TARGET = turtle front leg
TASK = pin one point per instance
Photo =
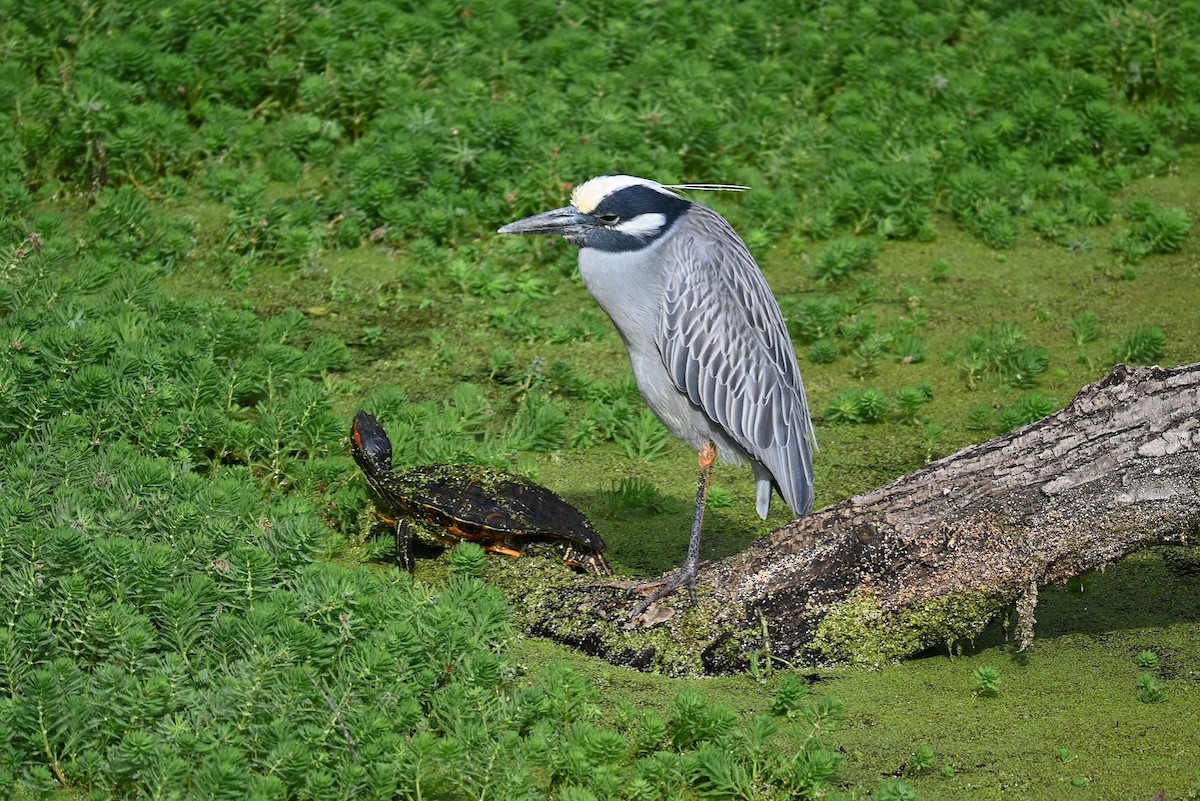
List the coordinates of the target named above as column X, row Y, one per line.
column 404, row 546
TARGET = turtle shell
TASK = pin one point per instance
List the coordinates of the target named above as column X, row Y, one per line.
column 477, row 502
column 468, row 501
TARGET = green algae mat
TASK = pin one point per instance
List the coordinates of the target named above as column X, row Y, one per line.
column 226, row 227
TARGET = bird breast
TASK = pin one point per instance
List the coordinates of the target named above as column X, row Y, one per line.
column 629, row 286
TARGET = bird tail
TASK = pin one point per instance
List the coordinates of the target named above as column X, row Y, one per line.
column 797, row 494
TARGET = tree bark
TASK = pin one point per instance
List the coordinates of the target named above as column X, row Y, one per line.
column 933, row 556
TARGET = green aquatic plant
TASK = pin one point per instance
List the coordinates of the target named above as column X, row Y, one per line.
column 566, row 378
column 517, row 321
column 168, row 96
column 719, row 497
column 178, row 379
column 896, row 790
column 858, row 326
column 485, row 283
column 791, row 696
column 1085, row 327
column 1150, row 689
column 633, row 493
column 583, row 328
column 467, row 559
column 604, row 419
column 814, row 319
column 982, row 418
column 939, row 271
column 920, row 761
column 824, row 351
column 858, row 406
column 843, row 407
column 844, row 257
column 643, row 436
column 127, row 221
column 995, row 224
column 868, row 354
column 1165, row 230
column 975, row 197
column 1028, row 408
column 539, row 424
column 871, row 405
column 1051, row 223
column 1084, row 203
column 908, row 349
column 1153, row 229
column 931, row 435
column 501, row 366
column 1143, row 345
column 910, row 400
column 987, row 681
column 738, row 762
column 1001, row 352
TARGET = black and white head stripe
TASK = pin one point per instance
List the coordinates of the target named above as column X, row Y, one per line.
column 628, row 212
column 588, row 195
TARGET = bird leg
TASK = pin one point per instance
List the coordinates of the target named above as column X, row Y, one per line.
column 687, row 574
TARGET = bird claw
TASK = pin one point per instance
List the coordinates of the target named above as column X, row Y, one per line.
column 665, row 586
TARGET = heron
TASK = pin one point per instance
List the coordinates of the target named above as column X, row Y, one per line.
column 707, row 342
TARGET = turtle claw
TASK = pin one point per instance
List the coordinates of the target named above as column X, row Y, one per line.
column 587, row 561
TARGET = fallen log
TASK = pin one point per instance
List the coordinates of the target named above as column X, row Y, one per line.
column 930, row 558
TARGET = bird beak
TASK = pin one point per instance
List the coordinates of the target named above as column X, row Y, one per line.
column 566, row 222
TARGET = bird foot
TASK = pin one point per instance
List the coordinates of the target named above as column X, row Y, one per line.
column 663, row 587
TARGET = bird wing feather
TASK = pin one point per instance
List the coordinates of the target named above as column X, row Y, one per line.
column 725, row 344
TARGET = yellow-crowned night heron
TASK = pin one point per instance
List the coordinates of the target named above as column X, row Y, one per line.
column 708, row 344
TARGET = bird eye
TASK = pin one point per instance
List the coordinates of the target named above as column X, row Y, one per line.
column 609, row 219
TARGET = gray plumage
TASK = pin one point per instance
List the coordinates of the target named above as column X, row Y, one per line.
column 710, row 349
column 708, row 345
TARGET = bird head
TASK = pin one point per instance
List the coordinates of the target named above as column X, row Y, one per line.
column 613, row 213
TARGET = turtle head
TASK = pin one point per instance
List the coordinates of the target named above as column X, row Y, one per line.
column 370, row 445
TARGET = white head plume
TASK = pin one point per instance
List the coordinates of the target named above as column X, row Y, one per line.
column 588, row 194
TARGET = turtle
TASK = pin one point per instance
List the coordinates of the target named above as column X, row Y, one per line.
column 497, row 509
